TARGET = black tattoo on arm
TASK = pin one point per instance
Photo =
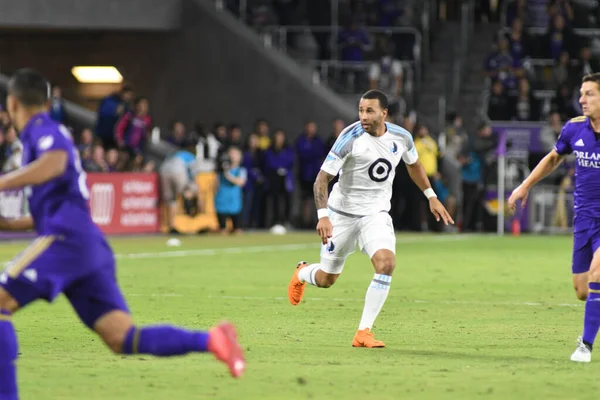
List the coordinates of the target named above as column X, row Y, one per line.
column 321, row 189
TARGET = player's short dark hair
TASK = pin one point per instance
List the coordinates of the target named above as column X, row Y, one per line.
column 377, row 95
column 595, row 77
column 29, row 87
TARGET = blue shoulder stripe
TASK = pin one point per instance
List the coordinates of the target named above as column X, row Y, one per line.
column 346, row 137
column 399, row 131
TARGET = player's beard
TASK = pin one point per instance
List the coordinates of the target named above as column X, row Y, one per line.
column 371, row 128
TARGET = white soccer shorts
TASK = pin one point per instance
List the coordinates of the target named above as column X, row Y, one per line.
column 371, row 233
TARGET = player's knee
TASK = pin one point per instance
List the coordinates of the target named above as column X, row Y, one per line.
column 328, row 280
column 114, row 342
column 7, row 302
column 581, row 293
column 595, row 273
column 113, row 329
column 384, row 262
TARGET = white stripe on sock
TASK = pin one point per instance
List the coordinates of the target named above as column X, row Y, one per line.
column 307, row 274
column 375, row 299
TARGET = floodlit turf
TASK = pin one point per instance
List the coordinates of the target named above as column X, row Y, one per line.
column 467, row 317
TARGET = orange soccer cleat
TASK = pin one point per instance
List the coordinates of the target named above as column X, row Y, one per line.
column 296, row 288
column 364, row 338
column 224, row 345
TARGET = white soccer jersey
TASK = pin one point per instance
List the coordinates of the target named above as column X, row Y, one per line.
column 367, row 166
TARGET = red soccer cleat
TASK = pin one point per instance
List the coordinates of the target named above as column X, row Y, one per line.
column 224, row 345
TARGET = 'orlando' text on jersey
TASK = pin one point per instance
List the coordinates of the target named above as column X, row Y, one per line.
column 578, row 137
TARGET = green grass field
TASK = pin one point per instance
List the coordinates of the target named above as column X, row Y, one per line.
column 467, row 317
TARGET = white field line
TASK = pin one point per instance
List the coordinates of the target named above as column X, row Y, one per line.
column 466, row 302
column 269, row 248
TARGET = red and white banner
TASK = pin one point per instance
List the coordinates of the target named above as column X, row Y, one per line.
column 124, row 202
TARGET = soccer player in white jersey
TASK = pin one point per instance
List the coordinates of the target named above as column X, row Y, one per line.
column 365, row 155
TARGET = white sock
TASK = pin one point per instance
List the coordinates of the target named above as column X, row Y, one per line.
column 376, row 295
column 307, row 274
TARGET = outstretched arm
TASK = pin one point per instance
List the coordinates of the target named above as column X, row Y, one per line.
column 419, row 176
column 542, row 170
column 324, row 227
column 321, row 189
column 50, row 165
column 21, row 224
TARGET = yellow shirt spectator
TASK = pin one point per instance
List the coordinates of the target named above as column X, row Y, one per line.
column 427, row 149
column 264, row 142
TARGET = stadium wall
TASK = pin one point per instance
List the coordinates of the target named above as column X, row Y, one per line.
column 159, row 15
column 212, row 69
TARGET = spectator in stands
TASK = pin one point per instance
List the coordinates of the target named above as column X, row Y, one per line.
column 562, row 103
column 235, row 136
column 587, row 65
column 86, row 141
column 176, row 177
column 4, row 118
column 471, row 186
column 279, row 163
column 254, row 191
column 561, row 8
column 57, row 106
column 524, row 106
column 97, row 163
column 550, row 132
column 561, row 72
column 14, row 150
column 178, row 135
column 229, row 197
column 338, row 127
column 310, row 150
column 220, row 132
column 499, row 60
column 110, row 110
column 385, row 73
column 133, row 130
column 207, row 150
column 112, row 161
column 389, row 12
column 262, row 129
column 428, row 152
column 451, row 142
column 139, row 164
column 354, row 42
column 519, row 40
column 498, row 104
column 558, row 39
column 484, row 145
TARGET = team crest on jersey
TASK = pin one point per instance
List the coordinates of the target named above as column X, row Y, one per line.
column 45, row 142
column 330, row 247
column 394, row 148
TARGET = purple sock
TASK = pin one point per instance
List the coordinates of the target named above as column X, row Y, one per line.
column 8, row 356
column 591, row 319
column 164, row 340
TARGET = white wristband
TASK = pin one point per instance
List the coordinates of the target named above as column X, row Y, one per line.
column 429, row 193
column 322, row 213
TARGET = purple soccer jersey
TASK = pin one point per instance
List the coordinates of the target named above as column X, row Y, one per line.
column 70, row 254
column 578, row 137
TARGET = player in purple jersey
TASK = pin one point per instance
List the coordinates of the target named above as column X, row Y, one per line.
column 70, row 255
column 580, row 136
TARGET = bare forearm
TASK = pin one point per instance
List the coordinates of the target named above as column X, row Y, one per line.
column 321, row 189
column 50, row 165
column 418, row 175
column 21, row 224
column 543, row 169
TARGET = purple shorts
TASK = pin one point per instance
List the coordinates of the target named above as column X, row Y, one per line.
column 84, row 272
column 586, row 240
